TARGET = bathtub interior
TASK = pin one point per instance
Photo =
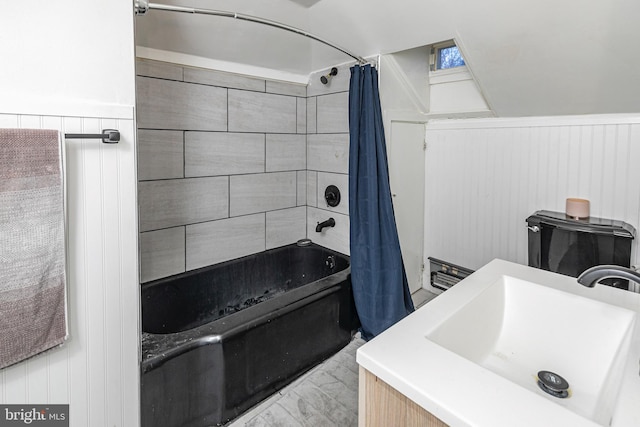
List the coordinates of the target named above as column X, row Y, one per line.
column 192, row 299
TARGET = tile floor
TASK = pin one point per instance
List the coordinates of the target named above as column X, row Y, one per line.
column 327, row 395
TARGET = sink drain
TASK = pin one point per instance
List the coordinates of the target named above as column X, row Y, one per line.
column 553, row 384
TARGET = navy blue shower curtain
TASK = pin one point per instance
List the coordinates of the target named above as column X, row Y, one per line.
column 379, row 281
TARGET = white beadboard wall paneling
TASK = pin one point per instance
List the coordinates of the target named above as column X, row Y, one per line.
column 484, row 177
column 96, row 370
column 79, row 248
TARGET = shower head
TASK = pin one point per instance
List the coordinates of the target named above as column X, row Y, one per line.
column 325, row 79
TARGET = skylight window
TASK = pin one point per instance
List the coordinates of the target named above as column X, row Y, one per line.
column 446, row 55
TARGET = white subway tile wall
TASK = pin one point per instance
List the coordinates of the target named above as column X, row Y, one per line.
column 228, row 165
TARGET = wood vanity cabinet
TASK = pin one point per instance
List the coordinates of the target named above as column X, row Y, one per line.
column 380, row 405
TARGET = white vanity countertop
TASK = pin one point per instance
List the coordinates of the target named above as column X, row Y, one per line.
column 462, row 393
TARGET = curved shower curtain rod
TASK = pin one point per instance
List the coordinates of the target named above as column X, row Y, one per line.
column 142, row 6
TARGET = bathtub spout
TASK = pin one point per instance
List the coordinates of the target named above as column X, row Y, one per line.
column 328, row 223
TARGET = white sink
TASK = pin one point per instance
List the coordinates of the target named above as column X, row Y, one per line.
column 471, row 356
column 516, row 328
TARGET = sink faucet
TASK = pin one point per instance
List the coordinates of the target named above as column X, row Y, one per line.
column 593, row 275
column 328, row 223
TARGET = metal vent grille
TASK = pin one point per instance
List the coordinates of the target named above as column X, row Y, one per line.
column 444, row 274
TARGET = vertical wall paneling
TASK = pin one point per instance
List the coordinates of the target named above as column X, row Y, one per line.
column 96, row 370
column 406, row 153
column 484, row 177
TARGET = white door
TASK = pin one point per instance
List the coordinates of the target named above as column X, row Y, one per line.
column 406, row 176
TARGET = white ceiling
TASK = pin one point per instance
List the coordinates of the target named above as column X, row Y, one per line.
column 305, row 3
column 529, row 58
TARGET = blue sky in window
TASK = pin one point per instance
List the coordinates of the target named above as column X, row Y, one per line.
column 449, row 57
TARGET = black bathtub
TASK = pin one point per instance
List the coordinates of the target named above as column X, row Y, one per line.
column 219, row 339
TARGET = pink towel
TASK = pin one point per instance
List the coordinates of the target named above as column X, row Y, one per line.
column 32, row 249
